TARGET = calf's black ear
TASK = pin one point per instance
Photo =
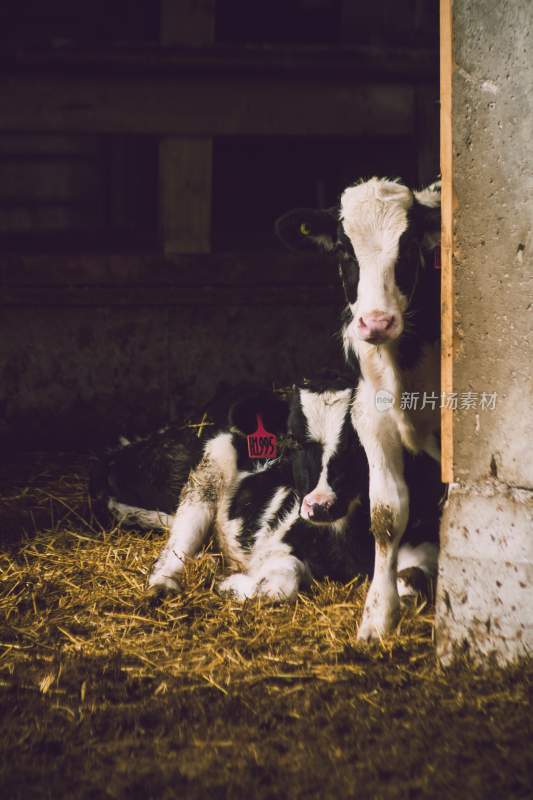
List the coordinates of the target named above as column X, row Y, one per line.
column 429, row 217
column 273, row 410
column 306, row 228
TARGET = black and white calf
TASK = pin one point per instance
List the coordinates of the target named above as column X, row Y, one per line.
column 282, row 521
column 384, row 237
column 262, row 513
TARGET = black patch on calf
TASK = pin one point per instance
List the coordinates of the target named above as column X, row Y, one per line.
column 286, row 506
column 348, row 469
column 426, row 219
column 306, row 465
column 272, row 408
column 252, row 497
column 328, row 554
column 324, row 381
column 307, row 228
column 349, row 274
column 240, row 445
column 417, row 580
column 408, row 264
column 348, row 265
column 420, row 283
column 422, row 325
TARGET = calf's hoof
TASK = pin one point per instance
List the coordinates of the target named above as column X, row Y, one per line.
column 378, row 622
column 160, row 587
column 239, row 586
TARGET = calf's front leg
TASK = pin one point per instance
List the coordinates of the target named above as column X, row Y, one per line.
column 382, row 606
column 187, row 535
column 195, row 514
column 389, row 509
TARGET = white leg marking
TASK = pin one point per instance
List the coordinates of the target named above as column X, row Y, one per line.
column 277, row 579
column 240, row 585
column 383, row 447
column 143, row 517
column 280, row 578
column 188, row 533
column 382, row 606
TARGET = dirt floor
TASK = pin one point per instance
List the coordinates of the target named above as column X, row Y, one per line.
column 104, row 695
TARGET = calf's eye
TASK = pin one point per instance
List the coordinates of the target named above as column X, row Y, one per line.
column 305, row 230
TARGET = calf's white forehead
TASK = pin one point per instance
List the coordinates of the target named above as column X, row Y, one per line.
column 325, row 413
column 374, row 214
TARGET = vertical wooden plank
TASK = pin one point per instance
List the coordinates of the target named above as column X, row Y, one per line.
column 185, row 165
column 446, row 158
column 185, row 195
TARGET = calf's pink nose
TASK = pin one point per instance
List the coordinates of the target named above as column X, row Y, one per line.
column 376, row 322
column 316, row 501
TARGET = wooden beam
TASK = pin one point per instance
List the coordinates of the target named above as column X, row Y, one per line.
column 185, row 175
column 116, row 269
column 185, row 165
column 446, row 157
column 348, row 63
column 165, row 296
column 204, row 105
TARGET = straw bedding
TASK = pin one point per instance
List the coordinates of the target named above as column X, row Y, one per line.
column 106, row 695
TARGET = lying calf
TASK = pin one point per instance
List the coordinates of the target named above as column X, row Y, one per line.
column 279, row 522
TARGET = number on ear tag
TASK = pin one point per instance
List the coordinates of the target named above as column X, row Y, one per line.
column 262, row 444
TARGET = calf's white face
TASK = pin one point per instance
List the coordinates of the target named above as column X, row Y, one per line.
column 325, row 415
column 329, row 468
column 374, row 216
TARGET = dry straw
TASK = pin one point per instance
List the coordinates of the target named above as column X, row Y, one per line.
column 72, row 589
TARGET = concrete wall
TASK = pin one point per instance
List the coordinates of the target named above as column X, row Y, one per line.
column 485, row 595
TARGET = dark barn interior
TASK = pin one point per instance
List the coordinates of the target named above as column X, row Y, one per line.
column 145, row 151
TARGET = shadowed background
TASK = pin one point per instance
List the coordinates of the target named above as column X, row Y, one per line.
column 145, row 152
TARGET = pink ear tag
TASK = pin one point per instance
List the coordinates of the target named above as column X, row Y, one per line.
column 436, row 257
column 262, row 444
